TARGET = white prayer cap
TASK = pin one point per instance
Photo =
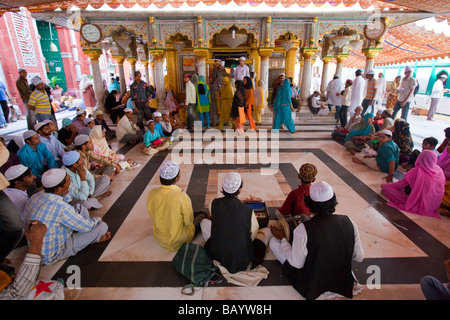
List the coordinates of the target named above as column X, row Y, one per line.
column 81, row 139
column 408, row 68
column 87, row 120
column 222, row 63
column 169, row 170
column 165, row 112
column 36, row 80
column 321, row 191
column 242, row 58
column 80, row 112
column 127, row 110
column 386, row 132
column 51, row 178
column 39, row 125
column 157, row 114
column 370, row 72
column 231, row 182
column 98, row 112
column 28, row 134
column 15, row 171
column 22, row 69
column 70, row 158
column 443, row 76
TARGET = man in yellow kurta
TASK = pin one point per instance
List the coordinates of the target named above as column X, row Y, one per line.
column 171, row 210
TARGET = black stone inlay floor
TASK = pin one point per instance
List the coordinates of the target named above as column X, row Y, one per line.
column 162, row 274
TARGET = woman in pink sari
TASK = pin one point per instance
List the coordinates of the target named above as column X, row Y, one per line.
column 421, row 189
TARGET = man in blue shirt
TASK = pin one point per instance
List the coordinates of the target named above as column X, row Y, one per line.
column 35, row 154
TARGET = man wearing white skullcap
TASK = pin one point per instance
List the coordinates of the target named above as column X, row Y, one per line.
column 84, row 146
column 56, row 148
column 89, row 123
column 35, row 154
column 246, row 245
column 20, row 180
column 84, row 188
column 100, row 120
column 171, row 210
column 242, row 70
column 319, row 259
column 127, row 131
column 78, row 121
column 69, row 228
column 405, row 94
column 39, row 101
column 386, row 158
column 437, row 93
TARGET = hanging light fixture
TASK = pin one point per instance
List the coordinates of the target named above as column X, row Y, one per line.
column 53, row 47
column 179, row 45
column 340, row 39
column 233, row 39
column 357, row 43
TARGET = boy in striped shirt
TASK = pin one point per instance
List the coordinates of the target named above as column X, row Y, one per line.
column 39, row 101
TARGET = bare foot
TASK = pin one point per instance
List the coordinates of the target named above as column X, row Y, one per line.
column 106, row 194
column 105, row 237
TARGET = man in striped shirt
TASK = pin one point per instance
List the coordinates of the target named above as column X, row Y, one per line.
column 39, row 101
column 69, row 229
column 371, row 92
column 25, row 279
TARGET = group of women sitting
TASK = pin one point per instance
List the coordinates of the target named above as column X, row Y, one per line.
column 425, row 187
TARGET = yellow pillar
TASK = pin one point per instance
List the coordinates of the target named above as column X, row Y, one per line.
column 340, row 59
column 370, row 54
column 291, row 57
column 172, row 67
column 202, row 55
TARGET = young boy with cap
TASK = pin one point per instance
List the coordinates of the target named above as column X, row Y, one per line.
column 295, row 201
column 69, row 229
column 242, row 70
column 171, row 210
column 39, row 101
column 84, row 188
column 67, row 133
column 35, row 154
column 320, row 257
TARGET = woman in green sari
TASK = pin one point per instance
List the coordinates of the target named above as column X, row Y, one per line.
column 359, row 135
column 203, row 100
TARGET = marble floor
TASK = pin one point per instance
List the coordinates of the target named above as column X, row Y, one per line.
column 131, row 266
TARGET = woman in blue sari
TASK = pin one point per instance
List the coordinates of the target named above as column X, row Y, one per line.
column 359, row 135
column 282, row 108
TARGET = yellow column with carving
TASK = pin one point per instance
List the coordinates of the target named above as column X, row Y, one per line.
column 172, row 67
column 291, row 57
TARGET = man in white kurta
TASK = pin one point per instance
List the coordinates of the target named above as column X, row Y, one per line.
column 242, row 70
column 358, row 91
column 333, row 91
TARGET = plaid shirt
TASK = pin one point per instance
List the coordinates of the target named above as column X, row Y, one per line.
column 61, row 220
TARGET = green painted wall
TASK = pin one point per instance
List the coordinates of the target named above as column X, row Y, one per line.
column 53, row 60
